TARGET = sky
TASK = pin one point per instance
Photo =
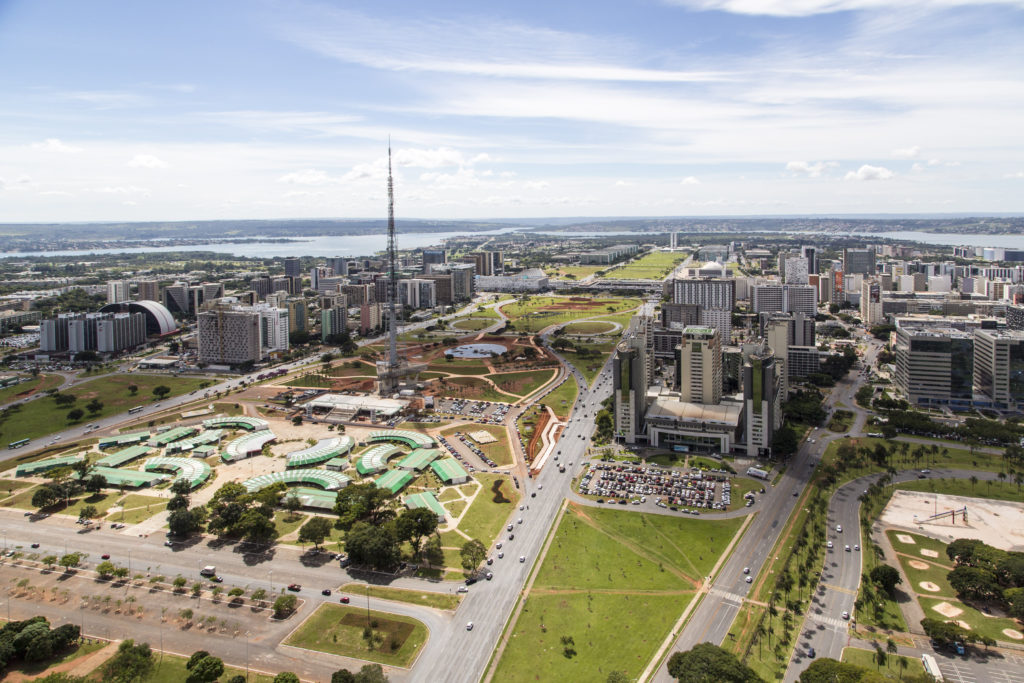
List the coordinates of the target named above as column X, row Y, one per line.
column 238, row 109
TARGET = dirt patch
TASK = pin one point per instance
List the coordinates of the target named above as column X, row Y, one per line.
column 947, row 610
column 929, row 586
column 918, row 564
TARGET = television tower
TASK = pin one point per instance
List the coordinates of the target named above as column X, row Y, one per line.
column 389, row 379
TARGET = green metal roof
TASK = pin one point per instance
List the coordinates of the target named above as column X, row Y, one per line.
column 448, row 469
column 393, row 480
column 122, row 457
column 424, row 500
column 419, row 458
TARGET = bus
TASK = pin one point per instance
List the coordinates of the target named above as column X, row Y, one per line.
column 931, row 666
column 136, row 409
column 18, row 444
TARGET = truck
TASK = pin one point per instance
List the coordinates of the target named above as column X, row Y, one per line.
column 757, row 472
column 208, row 570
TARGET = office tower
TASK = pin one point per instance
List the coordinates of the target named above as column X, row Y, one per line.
column 333, row 322
column 795, row 270
column 117, row 291
column 935, row 365
column 811, row 254
column 230, row 336
column 292, row 267
column 149, row 290
column 298, row 315
column 463, row 282
column 339, row 264
column 762, row 399
column 629, row 383
column 699, row 366
column 859, row 261
column 871, row 303
column 433, row 257
column 999, row 367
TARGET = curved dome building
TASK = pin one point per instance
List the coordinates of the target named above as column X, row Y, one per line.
column 159, row 320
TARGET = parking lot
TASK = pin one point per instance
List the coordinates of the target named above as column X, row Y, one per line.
column 484, row 412
column 690, row 491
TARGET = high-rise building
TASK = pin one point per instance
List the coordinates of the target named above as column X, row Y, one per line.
column 699, row 366
column 118, row 291
column 149, row 290
column 292, row 267
column 999, row 367
column 871, row 303
column 230, row 336
column 333, row 321
column 935, row 365
column 859, row 261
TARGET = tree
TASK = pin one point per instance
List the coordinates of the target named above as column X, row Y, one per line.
column 131, row 662
column 315, row 531
column 161, row 391
column 473, row 552
column 204, row 670
column 75, row 414
column 413, row 525
column 886, row 578
column 284, row 605
column 707, row 663
column 286, row 677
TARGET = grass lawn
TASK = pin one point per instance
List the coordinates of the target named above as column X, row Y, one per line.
column 40, row 383
column 473, row 388
column 486, row 516
column 610, row 632
column 445, row 601
column 979, row 623
column 651, row 266
column 590, row 327
column 523, row 383
column 338, row 629
column 892, row 668
column 287, row 523
column 171, row 669
column 43, row 416
column 561, row 400
column 592, row 360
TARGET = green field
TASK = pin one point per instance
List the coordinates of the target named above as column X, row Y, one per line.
column 537, row 313
column 43, row 416
column 892, row 668
column 523, row 383
column 444, row 601
column 618, row 605
column 41, row 383
column 562, row 399
column 652, row 266
column 592, row 360
column 339, row 630
column 485, row 516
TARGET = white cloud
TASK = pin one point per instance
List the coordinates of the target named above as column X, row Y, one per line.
column 55, row 145
column 804, row 8
column 689, row 180
column 309, row 176
column 810, row 169
column 906, row 152
column 868, row 172
column 147, row 161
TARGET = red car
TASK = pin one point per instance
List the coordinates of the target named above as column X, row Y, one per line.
column 344, row 599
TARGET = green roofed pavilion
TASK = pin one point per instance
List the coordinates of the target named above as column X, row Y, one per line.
column 425, row 500
column 449, row 471
column 393, row 480
column 39, row 466
column 419, row 459
column 123, row 457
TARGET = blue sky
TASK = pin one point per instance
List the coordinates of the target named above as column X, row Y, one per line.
column 273, row 109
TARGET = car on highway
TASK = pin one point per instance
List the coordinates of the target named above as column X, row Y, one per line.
column 294, row 587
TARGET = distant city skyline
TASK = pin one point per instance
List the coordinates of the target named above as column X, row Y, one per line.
column 264, row 109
